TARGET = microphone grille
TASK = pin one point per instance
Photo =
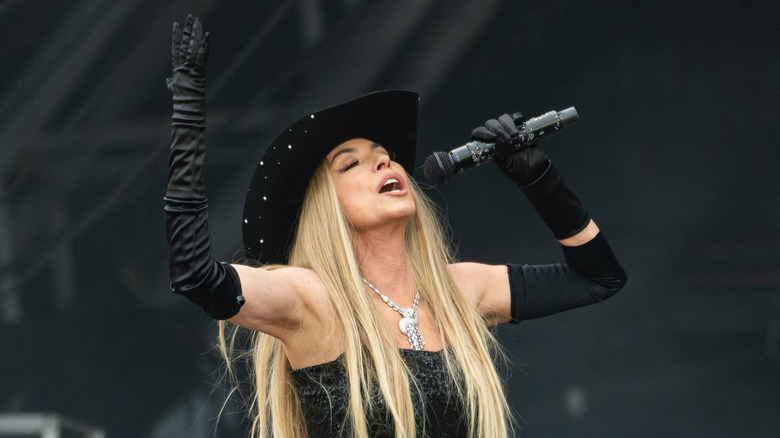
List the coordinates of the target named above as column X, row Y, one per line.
column 438, row 168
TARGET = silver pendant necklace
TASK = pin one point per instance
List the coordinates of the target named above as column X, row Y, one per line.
column 407, row 324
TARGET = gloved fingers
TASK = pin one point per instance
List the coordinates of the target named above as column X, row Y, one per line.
column 186, row 36
column 188, row 54
column 176, row 45
column 196, row 42
column 495, row 127
column 508, row 125
column 503, row 130
column 203, row 53
column 519, row 118
column 483, row 134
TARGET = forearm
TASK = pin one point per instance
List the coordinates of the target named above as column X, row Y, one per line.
column 194, row 273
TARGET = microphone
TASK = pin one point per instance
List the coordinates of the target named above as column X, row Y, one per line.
column 440, row 167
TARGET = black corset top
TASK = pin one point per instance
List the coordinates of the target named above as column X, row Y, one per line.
column 323, row 391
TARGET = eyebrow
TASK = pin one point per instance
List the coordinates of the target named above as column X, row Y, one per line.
column 350, row 150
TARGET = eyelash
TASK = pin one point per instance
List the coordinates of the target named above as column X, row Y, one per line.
column 350, row 165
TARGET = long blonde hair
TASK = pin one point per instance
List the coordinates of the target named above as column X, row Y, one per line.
column 323, row 244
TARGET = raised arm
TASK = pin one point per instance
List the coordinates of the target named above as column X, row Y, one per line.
column 211, row 285
column 221, row 289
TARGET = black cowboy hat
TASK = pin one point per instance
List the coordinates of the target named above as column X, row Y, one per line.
column 275, row 195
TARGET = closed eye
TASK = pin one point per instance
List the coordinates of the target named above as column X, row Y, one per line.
column 351, row 164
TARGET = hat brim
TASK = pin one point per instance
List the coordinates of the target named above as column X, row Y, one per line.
column 275, row 195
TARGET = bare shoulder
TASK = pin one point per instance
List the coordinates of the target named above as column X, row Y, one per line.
column 486, row 287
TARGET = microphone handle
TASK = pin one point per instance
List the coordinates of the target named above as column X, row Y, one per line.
column 440, row 167
column 471, row 154
column 546, row 125
column 475, row 153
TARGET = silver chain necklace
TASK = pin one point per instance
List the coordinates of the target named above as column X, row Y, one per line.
column 407, row 324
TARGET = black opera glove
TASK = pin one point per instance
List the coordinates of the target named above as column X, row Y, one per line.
column 536, row 176
column 194, row 273
column 189, row 52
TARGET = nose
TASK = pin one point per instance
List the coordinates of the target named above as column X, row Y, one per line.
column 382, row 160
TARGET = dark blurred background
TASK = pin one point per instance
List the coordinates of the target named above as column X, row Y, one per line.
column 675, row 156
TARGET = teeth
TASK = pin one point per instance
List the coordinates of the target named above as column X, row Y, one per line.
column 391, row 185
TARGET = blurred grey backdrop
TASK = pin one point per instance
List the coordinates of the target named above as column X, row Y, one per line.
column 675, row 157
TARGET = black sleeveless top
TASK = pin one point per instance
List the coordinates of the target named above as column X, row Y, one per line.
column 591, row 274
column 323, row 391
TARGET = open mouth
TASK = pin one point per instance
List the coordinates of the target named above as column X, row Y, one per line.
column 391, row 185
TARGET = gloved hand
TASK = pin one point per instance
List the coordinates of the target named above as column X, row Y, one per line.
column 189, row 52
column 524, row 166
column 535, row 174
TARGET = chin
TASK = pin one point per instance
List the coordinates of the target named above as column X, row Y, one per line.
column 401, row 216
column 407, row 211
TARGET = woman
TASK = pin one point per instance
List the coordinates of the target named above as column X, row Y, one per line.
column 364, row 324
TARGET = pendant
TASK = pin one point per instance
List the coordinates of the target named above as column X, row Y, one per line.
column 408, row 326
